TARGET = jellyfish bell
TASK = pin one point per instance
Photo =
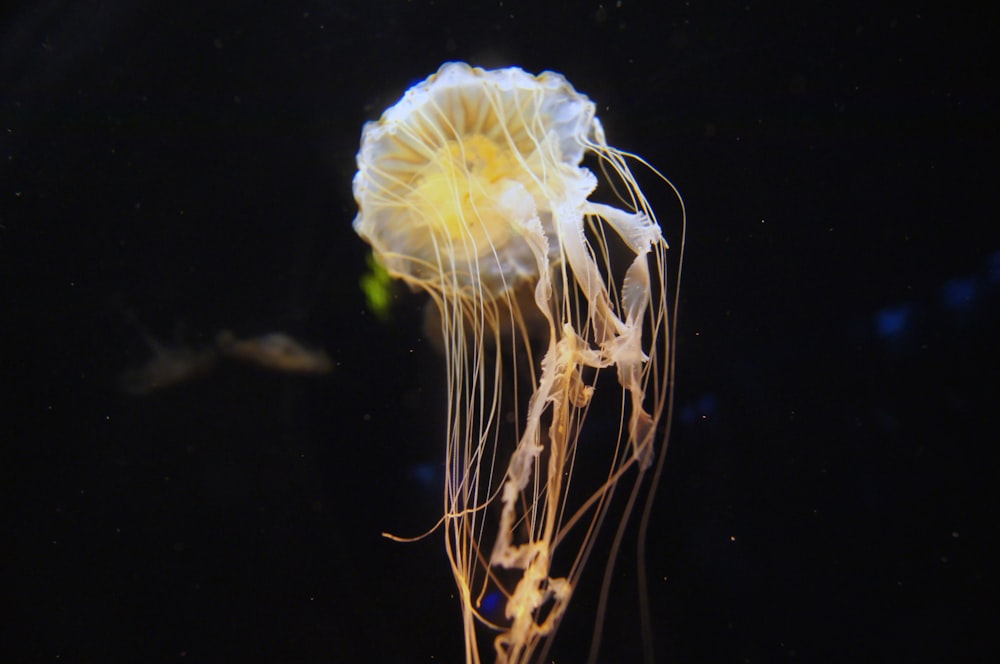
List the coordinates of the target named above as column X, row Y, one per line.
column 472, row 188
column 452, row 178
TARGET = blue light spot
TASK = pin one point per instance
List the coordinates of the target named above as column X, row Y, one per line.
column 491, row 602
column 701, row 409
column 960, row 293
column 424, row 473
column 891, row 322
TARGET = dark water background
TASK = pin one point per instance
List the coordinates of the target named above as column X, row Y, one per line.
column 830, row 493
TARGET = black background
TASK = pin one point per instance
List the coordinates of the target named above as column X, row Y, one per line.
column 830, row 486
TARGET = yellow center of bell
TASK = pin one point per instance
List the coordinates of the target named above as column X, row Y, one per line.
column 457, row 193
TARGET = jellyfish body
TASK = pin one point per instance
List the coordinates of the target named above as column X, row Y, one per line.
column 472, row 189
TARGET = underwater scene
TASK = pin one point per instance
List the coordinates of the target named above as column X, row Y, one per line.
column 435, row 331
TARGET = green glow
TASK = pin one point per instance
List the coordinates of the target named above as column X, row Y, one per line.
column 376, row 284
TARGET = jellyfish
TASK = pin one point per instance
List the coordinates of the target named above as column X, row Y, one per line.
column 550, row 282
